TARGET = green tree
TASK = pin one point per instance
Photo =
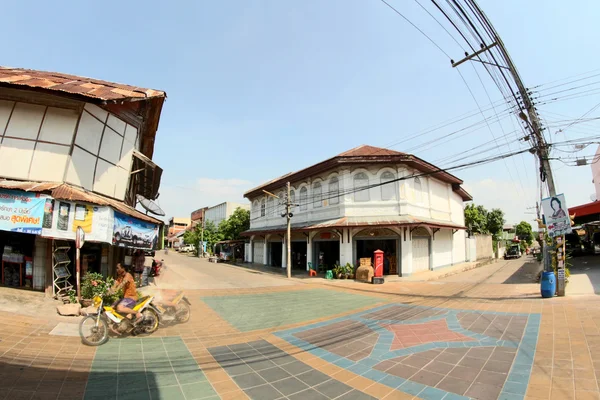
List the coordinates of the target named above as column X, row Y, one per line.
column 495, row 222
column 211, row 235
column 476, row 219
column 237, row 223
column 525, row 233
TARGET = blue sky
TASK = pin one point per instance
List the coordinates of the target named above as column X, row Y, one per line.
column 260, row 88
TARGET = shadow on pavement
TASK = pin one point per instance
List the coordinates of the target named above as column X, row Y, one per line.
column 528, row 273
column 585, row 275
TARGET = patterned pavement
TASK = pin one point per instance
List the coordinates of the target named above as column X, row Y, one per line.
column 428, row 352
column 394, row 341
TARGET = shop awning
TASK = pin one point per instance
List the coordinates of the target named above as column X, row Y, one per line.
column 64, row 191
column 357, row 222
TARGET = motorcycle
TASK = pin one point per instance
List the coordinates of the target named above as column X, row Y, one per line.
column 177, row 310
column 94, row 328
column 156, row 266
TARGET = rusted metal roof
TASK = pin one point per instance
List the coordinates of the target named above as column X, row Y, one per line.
column 64, row 191
column 72, row 84
column 357, row 222
column 366, row 150
column 363, row 155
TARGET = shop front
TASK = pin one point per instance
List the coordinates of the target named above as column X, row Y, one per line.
column 326, row 250
column 21, row 215
column 367, row 241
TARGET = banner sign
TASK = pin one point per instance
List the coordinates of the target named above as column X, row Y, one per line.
column 21, row 211
column 135, row 233
column 556, row 215
column 62, row 218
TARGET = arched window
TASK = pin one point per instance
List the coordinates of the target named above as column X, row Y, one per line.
column 293, row 199
column 334, row 191
column 317, row 195
column 255, row 209
column 262, row 208
column 270, row 206
column 280, row 209
column 418, row 190
column 303, row 199
column 361, row 181
column 388, row 188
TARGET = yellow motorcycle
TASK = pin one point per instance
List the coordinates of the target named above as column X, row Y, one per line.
column 176, row 310
column 94, row 329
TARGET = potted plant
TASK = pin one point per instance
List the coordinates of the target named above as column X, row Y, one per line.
column 94, row 284
column 338, row 271
column 349, row 270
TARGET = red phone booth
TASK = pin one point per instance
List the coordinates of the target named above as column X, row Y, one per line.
column 378, row 255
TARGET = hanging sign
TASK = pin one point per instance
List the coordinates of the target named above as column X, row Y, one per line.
column 79, row 237
column 63, row 218
column 134, row 233
column 21, row 211
column 556, row 215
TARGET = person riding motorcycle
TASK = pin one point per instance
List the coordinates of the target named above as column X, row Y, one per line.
column 126, row 282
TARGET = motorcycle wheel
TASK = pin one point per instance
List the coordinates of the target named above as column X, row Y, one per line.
column 151, row 321
column 91, row 334
column 183, row 312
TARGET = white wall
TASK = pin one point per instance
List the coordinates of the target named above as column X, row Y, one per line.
column 435, row 200
column 442, row 248
column 89, row 148
column 459, row 247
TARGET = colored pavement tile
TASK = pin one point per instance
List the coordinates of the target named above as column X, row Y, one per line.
column 428, row 352
column 147, row 368
column 248, row 312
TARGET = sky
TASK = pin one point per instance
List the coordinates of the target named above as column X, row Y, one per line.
column 257, row 89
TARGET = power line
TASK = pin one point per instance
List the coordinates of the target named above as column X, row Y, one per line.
column 416, row 27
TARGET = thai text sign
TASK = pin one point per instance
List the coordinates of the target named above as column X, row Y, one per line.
column 21, row 211
column 135, row 233
column 62, row 218
column 556, row 215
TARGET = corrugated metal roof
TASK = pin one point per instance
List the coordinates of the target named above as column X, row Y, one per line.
column 64, row 191
column 356, row 222
column 79, row 85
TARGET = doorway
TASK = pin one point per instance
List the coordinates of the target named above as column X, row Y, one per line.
column 299, row 251
column 327, row 254
column 366, row 247
column 275, row 254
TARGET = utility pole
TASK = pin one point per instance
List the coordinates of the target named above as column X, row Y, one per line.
column 201, row 247
column 288, row 214
column 533, row 121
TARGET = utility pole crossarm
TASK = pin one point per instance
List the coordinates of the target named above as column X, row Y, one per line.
column 470, row 56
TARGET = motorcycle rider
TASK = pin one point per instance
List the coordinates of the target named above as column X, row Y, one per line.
column 126, row 282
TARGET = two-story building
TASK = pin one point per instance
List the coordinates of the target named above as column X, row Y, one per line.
column 221, row 212
column 76, row 155
column 362, row 200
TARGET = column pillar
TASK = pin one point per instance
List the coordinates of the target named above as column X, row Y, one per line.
column 309, row 251
column 251, row 250
column 265, row 252
column 284, row 253
column 406, row 252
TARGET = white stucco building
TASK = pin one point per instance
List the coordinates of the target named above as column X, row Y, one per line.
column 223, row 211
column 365, row 199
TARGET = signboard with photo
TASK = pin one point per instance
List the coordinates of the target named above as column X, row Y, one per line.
column 21, row 211
column 62, row 218
column 556, row 215
column 134, row 233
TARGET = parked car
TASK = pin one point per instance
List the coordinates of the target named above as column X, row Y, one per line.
column 513, row 251
column 186, row 248
column 126, row 235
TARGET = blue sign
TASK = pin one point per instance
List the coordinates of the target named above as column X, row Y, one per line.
column 133, row 232
column 21, row 211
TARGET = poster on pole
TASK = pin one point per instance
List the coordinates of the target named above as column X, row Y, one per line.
column 21, row 211
column 556, row 215
column 134, row 233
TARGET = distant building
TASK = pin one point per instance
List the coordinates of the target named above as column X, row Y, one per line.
column 222, row 211
column 176, row 225
column 197, row 216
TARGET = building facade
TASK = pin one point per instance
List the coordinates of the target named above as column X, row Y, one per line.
column 176, row 226
column 78, row 152
column 223, row 211
column 363, row 200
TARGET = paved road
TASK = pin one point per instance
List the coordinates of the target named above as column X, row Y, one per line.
column 585, row 276
column 520, row 271
column 187, row 272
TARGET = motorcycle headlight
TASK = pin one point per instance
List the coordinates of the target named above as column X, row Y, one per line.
column 97, row 301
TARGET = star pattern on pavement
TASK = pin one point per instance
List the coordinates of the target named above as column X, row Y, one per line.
column 406, row 335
